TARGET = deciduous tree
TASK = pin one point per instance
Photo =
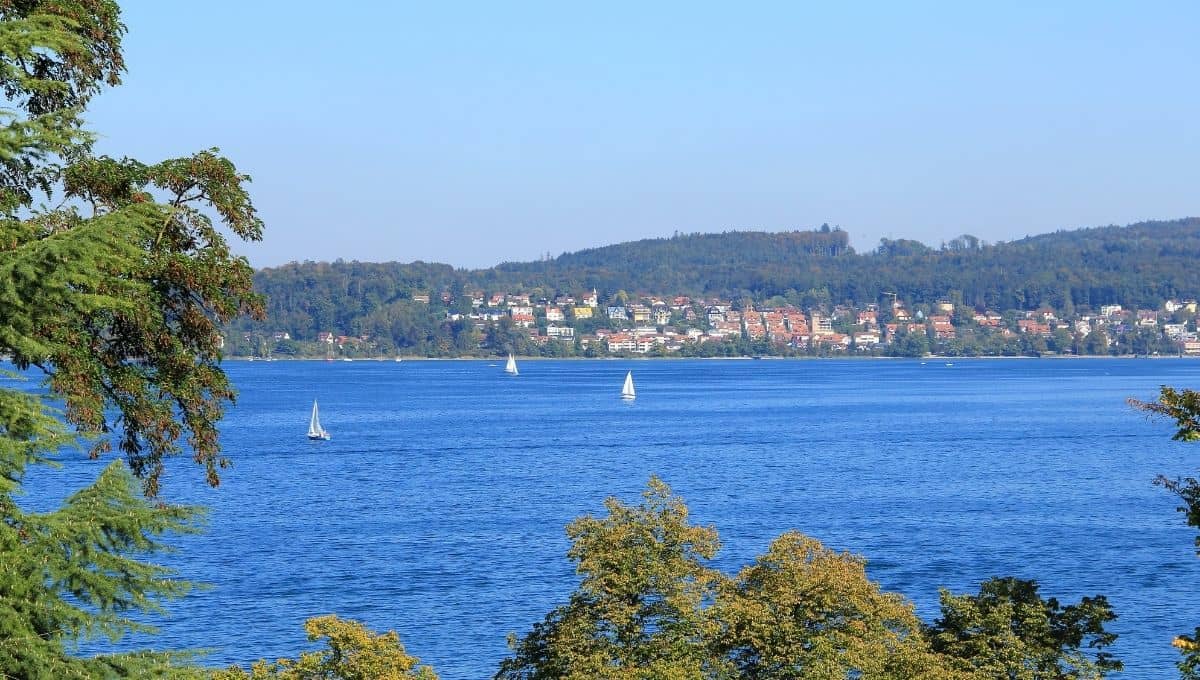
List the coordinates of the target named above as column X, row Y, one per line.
column 1008, row 631
column 650, row 606
column 352, row 653
column 1182, row 406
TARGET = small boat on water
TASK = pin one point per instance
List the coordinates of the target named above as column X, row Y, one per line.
column 315, row 431
column 511, row 367
column 627, row 391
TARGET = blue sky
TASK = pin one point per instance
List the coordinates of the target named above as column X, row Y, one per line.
column 479, row 133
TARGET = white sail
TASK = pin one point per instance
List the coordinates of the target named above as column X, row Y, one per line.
column 627, row 391
column 315, row 431
column 511, row 367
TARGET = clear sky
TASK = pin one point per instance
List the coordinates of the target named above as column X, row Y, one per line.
column 478, row 133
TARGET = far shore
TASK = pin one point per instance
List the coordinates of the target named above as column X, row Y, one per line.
column 404, row 358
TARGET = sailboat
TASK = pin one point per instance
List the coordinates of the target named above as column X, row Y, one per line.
column 511, row 367
column 627, row 391
column 315, row 431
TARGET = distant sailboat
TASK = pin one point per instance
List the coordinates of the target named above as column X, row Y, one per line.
column 511, row 367
column 315, row 431
column 627, row 391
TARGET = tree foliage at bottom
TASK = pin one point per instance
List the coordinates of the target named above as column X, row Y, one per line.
column 1182, row 407
column 650, row 606
column 352, row 653
column 78, row 572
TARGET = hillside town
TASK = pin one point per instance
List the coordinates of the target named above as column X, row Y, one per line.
column 625, row 325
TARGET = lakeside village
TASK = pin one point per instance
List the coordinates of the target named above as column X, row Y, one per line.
column 499, row 323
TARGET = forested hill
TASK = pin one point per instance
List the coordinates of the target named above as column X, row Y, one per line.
column 1138, row 266
column 684, row 264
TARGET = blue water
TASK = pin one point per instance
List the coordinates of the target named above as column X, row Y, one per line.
column 438, row 508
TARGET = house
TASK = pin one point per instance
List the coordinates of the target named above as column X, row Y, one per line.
column 421, row 297
column 1032, row 327
column 1171, row 306
column 897, row 329
column 990, row 319
column 662, row 316
column 1110, row 310
column 565, row 332
column 581, row 312
column 1191, row 346
column 620, row 342
column 727, row 329
column 591, row 301
column 866, row 339
column 1174, row 330
column 821, row 324
column 496, row 300
column 796, row 322
column 942, row 328
column 715, row 314
column 639, row 313
column 617, row 313
column 325, row 337
column 835, row 341
column 281, row 335
column 868, row 318
column 901, row 314
column 554, row 314
column 945, row 307
column 522, row 315
column 1147, row 318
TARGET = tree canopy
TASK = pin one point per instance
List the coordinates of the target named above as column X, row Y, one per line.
column 1182, row 407
column 649, row 605
column 114, row 282
column 352, row 653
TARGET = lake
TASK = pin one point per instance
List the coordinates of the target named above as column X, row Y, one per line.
column 438, row 507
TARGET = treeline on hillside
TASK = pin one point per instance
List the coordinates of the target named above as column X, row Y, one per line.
column 1137, row 266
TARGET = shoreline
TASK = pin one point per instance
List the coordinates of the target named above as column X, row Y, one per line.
column 933, row 357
